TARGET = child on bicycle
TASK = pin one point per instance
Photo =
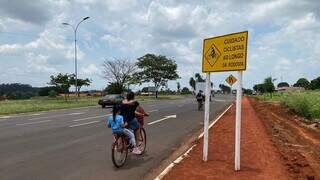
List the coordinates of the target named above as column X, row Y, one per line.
column 116, row 123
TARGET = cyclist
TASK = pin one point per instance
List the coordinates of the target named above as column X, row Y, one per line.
column 200, row 98
column 128, row 111
column 115, row 122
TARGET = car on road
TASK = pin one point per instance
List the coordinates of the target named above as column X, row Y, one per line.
column 110, row 100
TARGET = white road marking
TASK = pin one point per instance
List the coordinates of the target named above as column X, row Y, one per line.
column 180, row 105
column 77, row 113
column 216, row 120
column 171, row 165
column 95, row 117
column 155, row 110
column 165, row 118
column 180, row 158
column 220, row 100
column 4, row 117
column 23, row 124
column 60, row 115
column 36, row 114
column 76, row 125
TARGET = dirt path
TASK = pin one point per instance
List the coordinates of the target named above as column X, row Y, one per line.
column 260, row 158
column 297, row 140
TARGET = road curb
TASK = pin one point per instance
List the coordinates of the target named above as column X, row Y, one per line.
column 180, row 158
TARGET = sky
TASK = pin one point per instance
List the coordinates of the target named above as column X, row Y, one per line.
column 284, row 38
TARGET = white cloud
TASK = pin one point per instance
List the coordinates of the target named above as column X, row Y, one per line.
column 112, row 40
column 38, row 63
column 123, row 5
column 282, row 35
column 91, row 69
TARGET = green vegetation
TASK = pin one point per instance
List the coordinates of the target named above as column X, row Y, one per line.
column 306, row 104
column 44, row 104
column 157, row 69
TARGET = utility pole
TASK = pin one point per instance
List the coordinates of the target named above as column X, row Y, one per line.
column 75, row 53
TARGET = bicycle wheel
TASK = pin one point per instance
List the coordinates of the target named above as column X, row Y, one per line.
column 119, row 152
column 143, row 137
column 199, row 106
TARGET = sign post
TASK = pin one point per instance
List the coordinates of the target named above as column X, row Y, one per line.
column 220, row 54
column 206, row 117
column 238, row 123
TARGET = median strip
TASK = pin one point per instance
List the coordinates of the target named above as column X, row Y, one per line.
column 76, row 125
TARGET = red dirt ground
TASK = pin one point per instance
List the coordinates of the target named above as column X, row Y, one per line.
column 272, row 147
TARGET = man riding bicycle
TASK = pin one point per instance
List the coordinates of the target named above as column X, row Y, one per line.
column 200, row 98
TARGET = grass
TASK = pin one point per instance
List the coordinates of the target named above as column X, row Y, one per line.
column 306, row 104
column 44, row 103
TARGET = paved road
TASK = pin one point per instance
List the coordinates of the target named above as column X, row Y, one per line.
column 75, row 144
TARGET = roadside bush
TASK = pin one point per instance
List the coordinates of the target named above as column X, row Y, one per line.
column 299, row 104
column 52, row 94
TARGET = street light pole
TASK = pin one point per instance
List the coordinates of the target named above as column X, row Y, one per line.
column 75, row 53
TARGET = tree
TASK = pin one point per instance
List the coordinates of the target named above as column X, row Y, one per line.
column 119, row 72
column 247, row 91
column 268, row 85
column 283, row 84
column 199, row 78
column 80, row 82
column 18, row 91
column 52, row 94
column 61, row 81
column 259, row 88
column 44, row 91
column 185, row 90
column 224, row 88
column 157, row 69
column 302, row 82
column 114, row 88
column 192, row 83
column 178, row 87
column 315, row 83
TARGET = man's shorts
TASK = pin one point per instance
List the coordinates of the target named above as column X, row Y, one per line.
column 133, row 124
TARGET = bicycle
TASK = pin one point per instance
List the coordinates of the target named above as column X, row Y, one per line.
column 200, row 105
column 121, row 147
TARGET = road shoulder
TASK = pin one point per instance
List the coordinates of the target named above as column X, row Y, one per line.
column 260, row 158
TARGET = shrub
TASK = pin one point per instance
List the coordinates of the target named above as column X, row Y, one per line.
column 299, row 104
column 53, row 94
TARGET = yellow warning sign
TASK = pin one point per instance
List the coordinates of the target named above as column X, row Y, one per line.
column 231, row 80
column 225, row 53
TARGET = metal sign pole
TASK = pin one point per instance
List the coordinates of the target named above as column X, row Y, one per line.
column 238, row 122
column 206, row 117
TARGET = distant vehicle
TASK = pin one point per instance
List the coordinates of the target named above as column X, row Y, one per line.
column 110, row 100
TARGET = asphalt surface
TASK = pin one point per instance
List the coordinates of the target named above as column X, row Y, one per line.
column 76, row 144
